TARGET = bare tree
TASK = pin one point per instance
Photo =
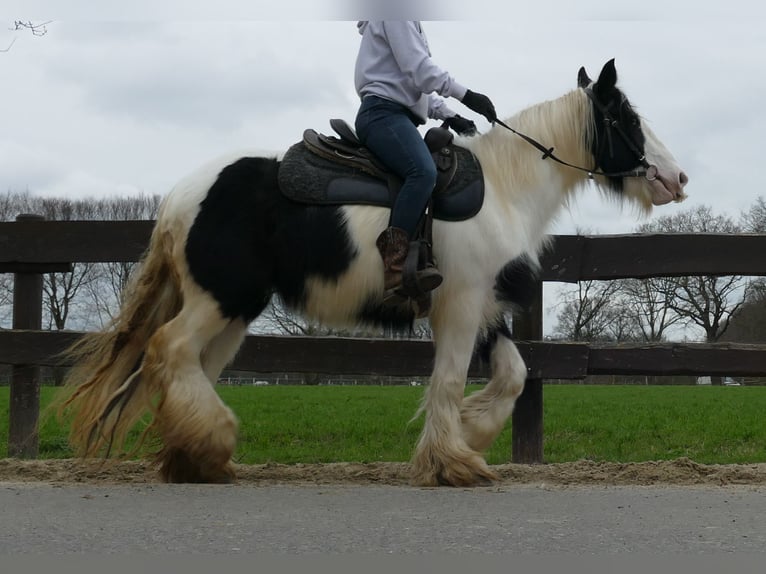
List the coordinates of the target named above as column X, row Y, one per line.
column 754, row 219
column 709, row 302
column 278, row 318
column 40, row 29
column 748, row 325
column 587, row 313
column 620, row 326
column 646, row 307
column 36, row 29
column 92, row 292
column 6, row 299
column 590, row 312
column 6, row 49
column 62, row 289
column 108, row 289
column 706, row 302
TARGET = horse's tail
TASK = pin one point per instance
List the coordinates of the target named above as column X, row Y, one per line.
column 107, row 394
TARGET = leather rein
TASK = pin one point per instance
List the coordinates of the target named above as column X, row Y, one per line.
column 646, row 170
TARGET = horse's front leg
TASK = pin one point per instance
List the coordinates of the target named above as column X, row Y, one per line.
column 485, row 412
column 442, row 456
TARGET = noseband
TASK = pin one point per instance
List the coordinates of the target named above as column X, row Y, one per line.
column 610, row 124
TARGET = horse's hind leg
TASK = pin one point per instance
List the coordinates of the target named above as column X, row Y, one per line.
column 485, row 412
column 199, row 432
column 222, row 349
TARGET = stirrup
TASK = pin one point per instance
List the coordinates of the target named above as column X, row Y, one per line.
column 418, row 286
column 421, row 305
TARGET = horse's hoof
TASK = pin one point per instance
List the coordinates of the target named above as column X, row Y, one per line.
column 457, row 476
column 177, row 466
column 476, row 479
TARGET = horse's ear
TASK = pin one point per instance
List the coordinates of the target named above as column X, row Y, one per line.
column 583, row 80
column 607, row 79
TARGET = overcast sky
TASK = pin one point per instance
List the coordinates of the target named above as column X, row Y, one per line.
column 99, row 107
column 111, row 102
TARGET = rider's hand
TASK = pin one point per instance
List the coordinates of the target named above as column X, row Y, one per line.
column 461, row 126
column 480, row 104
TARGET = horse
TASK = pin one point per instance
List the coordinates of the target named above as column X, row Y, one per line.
column 226, row 241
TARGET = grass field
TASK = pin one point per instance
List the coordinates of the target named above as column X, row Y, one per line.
column 289, row 424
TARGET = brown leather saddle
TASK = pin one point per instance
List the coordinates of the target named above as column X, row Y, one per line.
column 337, row 170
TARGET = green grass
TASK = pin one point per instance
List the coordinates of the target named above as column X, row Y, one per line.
column 364, row 424
column 634, row 423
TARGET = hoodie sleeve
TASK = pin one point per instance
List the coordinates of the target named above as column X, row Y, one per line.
column 414, row 59
column 438, row 109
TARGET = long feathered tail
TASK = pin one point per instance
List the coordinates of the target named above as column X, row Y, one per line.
column 106, row 394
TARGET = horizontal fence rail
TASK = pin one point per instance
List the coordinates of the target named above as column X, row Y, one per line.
column 569, row 258
column 573, row 258
column 30, row 247
column 405, row 357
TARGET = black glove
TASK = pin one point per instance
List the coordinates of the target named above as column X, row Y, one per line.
column 461, row 126
column 480, row 104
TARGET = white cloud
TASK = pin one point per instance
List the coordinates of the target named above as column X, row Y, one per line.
column 138, row 104
column 114, row 100
column 42, row 174
column 209, row 75
column 26, row 169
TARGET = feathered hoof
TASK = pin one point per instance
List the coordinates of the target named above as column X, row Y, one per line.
column 177, row 466
column 463, row 472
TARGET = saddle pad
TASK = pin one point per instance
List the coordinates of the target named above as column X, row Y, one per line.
column 305, row 177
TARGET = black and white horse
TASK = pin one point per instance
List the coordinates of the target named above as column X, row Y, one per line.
column 226, row 240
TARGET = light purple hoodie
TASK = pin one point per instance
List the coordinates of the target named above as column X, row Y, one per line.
column 394, row 62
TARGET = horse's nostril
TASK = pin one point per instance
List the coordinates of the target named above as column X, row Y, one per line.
column 683, row 179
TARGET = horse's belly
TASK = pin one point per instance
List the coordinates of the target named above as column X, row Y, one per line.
column 340, row 301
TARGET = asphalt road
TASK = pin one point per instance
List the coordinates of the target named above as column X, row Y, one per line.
column 526, row 520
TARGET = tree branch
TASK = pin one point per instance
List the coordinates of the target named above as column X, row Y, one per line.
column 9, row 46
column 36, row 29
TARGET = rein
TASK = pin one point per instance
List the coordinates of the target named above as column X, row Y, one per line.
column 647, row 171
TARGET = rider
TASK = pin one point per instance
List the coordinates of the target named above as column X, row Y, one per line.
column 397, row 82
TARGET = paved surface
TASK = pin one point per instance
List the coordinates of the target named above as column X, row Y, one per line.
column 37, row 518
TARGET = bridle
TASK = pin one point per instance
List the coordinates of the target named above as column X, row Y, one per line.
column 610, row 124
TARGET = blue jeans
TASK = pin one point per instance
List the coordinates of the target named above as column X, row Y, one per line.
column 389, row 130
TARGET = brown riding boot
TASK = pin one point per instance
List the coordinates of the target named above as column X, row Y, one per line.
column 394, row 244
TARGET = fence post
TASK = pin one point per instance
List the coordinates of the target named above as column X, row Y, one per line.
column 25, row 379
column 527, row 425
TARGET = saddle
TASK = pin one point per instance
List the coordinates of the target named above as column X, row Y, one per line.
column 338, row 170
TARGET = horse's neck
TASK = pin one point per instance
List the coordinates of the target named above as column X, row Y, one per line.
column 533, row 188
column 561, row 124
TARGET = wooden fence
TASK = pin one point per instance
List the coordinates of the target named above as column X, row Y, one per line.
column 30, row 247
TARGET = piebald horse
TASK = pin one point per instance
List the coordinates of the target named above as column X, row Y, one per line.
column 226, row 240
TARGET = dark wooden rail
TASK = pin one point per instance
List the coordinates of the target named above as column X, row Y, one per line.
column 29, row 247
column 402, row 358
column 571, row 258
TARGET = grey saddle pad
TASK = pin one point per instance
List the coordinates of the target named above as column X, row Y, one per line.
column 305, row 177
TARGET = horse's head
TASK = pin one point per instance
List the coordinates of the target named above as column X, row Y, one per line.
column 621, row 143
